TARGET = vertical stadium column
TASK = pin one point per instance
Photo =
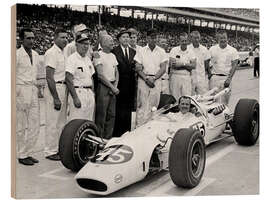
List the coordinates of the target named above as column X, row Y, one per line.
column 132, row 12
column 152, row 20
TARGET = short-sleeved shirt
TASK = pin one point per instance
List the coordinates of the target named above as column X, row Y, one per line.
column 137, row 49
column 184, row 57
column 202, row 54
column 55, row 58
column 71, row 48
column 221, row 59
column 151, row 60
column 26, row 73
column 81, row 68
column 109, row 63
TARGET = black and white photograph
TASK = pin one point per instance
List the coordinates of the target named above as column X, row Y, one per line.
column 134, row 101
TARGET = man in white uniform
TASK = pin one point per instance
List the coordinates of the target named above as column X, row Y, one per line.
column 79, row 73
column 151, row 61
column 71, row 47
column 224, row 59
column 182, row 62
column 27, row 106
column 199, row 83
column 165, row 77
column 107, row 88
column 55, row 94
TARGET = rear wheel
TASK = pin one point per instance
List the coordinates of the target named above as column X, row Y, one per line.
column 187, row 158
column 75, row 148
column 246, row 122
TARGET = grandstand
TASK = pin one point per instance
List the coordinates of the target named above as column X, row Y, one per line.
column 242, row 31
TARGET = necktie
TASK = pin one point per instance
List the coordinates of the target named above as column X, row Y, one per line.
column 126, row 54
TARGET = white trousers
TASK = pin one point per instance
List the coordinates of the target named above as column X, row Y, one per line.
column 218, row 81
column 165, row 89
column 55, row 120
column 87, row 110
column 27, row 119
column 147, row 99
column 180, row 85
column 199, row 86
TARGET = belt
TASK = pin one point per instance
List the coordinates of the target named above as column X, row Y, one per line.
column 85, row 87
column 220, row 74
column 61, row 82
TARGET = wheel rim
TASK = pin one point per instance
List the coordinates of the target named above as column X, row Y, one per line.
column 86, row 149
column 255, row 124
column 197, row 158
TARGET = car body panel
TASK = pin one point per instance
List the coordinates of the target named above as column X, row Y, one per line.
column 126, row 160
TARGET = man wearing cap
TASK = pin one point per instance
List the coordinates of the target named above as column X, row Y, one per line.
column 153, row 60
column 27, row 105
column 182, row 61
column 107, row 88
column 126, row 85
column 79, row 73
column 198, row 79
column 224, row 59
column 55, row 94
column 71, row 47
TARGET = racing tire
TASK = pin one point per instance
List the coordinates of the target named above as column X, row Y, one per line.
column 245, row 124
column 166, row 99
column 74, row 150
column 187, row 158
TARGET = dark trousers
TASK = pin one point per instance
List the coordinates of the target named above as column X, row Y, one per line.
column 256, row 71
column 105, row 111
column 122, row 120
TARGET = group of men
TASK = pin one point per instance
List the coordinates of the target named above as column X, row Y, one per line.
column 106, row 84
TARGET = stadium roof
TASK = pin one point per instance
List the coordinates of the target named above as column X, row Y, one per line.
column 228, row 14
column 232, row 19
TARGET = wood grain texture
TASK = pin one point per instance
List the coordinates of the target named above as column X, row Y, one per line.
column 13, row 101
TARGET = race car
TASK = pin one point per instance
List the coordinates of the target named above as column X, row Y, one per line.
column 166, row 141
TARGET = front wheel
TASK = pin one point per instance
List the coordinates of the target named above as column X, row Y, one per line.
column 187, row 158
column 75, row 147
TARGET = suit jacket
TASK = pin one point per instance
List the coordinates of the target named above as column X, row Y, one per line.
column 127, row 82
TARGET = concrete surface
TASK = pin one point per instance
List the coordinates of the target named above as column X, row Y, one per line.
column 230, row 169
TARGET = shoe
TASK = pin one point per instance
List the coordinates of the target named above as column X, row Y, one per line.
column 53, row 157
column 26, row 161
column 33, row 159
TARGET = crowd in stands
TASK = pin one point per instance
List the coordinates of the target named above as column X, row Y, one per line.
column 242, row 12
column 43, row 20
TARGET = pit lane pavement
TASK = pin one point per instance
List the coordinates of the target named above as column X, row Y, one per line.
column 230, row 169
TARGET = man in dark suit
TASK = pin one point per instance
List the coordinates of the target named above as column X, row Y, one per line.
column 125, row 99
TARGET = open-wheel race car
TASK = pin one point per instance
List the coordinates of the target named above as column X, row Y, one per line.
column 168, row 140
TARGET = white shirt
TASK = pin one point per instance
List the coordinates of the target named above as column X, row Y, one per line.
column 26, row 73
column 165, row 75
column 202, row 54
column 71, row 48
column 180, row 116
column 183, row 56
column 81, row 68
column 151, row 60
column 137, row 49
column 222, row 59
column 54, row 57
column 109, row 63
